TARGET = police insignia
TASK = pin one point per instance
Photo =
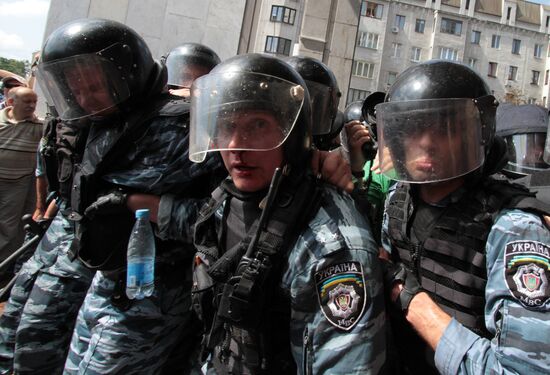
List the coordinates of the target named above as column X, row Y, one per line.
column 342, row 294
column 527, row 272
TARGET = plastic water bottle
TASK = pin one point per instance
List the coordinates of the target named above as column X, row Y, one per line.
column 140, row 276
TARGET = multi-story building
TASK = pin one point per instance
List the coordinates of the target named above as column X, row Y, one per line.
column 367, row 43
column 506, row 41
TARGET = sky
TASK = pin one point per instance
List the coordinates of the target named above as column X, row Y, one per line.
column 22, row 24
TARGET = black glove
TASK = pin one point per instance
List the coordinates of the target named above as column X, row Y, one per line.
column 36, row 228
column 397, row 272
column 111, row 203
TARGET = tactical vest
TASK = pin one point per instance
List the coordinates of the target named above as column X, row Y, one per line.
column 451, row 261
column 246, row 314
column 64, row 146
column 101, row 244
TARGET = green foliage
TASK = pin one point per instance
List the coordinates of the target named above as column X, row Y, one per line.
column 20, row 67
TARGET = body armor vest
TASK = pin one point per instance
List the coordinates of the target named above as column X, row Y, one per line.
column 450, row 263
column 63, row 148
column 247, row 329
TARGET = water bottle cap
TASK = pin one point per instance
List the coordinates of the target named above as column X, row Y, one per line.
column 143, row 213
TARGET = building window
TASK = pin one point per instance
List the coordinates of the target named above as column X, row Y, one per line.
column 370, row 9
column 492, row 69
column 508, row 13
column 363, row 69
column 495, row 41
column 546, row 74
column 544, row 101
column 399, row 22
column 531, row 101
column 368, row 40
column 356, row 94
column 416, row 54
column 476, row 36
column 516, row 45
column 450, row 26
column 535, row 75
column 275, row 44
column 467, row 6
column 419, row 26
column 472, row 62
column 396, row 49
column 547, row 21
column 283, row 14
column 446, row 53
column 538, row 51
column 512, row 73
column 391, row 78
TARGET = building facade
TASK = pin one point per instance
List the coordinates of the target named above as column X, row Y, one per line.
column 505, row 41
column 366, row 43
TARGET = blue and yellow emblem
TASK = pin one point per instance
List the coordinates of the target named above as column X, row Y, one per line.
column 527, row 272
column 342, row 294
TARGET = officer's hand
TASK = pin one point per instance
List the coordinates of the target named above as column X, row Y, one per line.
column 400, row 283
column 333, row 168
column 547, row 220
column 386, row 165
column 357, row 135
column 38, row 214
column 36, row 228
column 139, row 200
column 114, row 202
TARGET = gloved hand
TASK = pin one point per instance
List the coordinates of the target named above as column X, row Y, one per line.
column 111, row 203
column 397, row 273
column 36, row 228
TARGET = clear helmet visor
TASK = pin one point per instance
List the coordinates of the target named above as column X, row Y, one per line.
column 241, row 112
column 322, row 108
column 426, row 141
column 83, row 86
column 526, row 153
column 183, row 71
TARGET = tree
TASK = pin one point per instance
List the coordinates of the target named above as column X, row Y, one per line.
column 514, row 95
column 20, row 67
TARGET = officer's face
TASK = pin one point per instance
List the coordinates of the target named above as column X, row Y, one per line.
column 251, row 170
column 90, row 89
column 430, row 150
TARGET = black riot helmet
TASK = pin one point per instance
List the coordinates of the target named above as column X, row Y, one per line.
column 437, row 122
column 247, row 84
column 188, row 62
column 523, row 127
column 90, row 67
column 324, row 94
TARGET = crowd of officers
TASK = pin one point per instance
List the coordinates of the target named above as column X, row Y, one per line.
column 270, row 258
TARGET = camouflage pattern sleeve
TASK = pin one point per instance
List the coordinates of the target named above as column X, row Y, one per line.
column 517, row 310
column 176, row 217
column 335, row 282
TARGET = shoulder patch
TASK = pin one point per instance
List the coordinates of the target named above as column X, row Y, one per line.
column 342, row 294
column 527, row 272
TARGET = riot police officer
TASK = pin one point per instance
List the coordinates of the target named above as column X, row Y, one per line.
column 286, row 276
column 468, row 283
column 325, row 97
column 524, row 128
column 186, row 63
column 103, row 71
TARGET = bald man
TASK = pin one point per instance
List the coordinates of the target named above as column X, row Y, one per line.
column 20, row 133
